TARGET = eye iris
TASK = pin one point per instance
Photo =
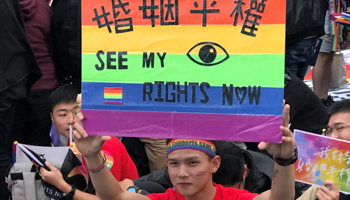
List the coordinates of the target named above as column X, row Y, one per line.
column 207, row 53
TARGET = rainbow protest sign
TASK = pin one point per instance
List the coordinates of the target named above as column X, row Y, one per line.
column 322, row 158
column 208, row 69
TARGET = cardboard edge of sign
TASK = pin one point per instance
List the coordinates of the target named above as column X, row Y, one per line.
column 172, row 125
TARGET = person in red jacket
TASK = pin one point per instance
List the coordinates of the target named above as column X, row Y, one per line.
column 191, row 164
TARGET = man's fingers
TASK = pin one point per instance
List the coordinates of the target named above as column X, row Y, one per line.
column 79, row 114
column 286, row 116
column 43, row 170
column 262, row 145
column 331, row 185
column 327, row 193
column 106, row 138
column 79, row 130
column 286, row 131
column 49, row 165
column 79, row 98
column 320, row 194
column 287, row 139
column 76, row 135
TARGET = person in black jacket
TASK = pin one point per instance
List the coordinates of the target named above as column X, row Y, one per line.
column 18, row 72
column 304, row 24
column 322, row 71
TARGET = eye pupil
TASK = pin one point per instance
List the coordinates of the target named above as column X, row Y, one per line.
column 207, row 53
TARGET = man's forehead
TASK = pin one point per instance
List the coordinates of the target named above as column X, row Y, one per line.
column 186, row 154
column 339, row 118
column 65, row 106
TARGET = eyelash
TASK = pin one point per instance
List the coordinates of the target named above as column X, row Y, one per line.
column 193, row 162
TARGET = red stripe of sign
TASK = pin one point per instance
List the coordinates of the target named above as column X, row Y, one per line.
column 274, row 12
column 113, row 91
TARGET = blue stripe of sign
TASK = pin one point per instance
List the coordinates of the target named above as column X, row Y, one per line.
column 195, row 99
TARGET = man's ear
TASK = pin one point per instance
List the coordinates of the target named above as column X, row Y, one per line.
column 51, row 116
column 215, row 162
column 245, row 172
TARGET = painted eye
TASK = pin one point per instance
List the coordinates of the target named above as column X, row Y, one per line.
column 207, row 54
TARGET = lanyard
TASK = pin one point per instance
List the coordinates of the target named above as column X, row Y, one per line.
column 334, row 7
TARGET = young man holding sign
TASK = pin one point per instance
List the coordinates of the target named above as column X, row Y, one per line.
column 65, row 112
column 191, row 164
column 339, row 121
column 338, row 127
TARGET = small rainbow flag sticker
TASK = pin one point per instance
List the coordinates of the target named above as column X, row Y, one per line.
column 113, row 95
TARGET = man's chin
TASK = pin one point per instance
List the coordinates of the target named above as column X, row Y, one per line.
column 64, row 133
column 185, row 191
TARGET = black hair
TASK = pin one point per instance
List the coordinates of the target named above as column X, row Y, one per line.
column 63, row 94
column 231, row 169
column 339, row 107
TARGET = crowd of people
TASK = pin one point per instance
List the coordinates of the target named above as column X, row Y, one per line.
column 39, row 86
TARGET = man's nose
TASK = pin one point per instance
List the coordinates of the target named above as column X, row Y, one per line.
column 71, row 118
column 335, row 135
column 183, row 171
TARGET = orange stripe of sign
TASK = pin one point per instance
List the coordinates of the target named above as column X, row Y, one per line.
column 180, row 39
column 113, row 92
column 274, row 12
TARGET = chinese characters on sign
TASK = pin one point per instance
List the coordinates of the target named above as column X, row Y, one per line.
column 322, row 158
column 168, row 13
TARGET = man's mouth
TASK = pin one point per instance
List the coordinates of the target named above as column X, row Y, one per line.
column 184, row 184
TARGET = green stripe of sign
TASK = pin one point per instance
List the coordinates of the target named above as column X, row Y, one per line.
column 113, row 97
column 265, row 70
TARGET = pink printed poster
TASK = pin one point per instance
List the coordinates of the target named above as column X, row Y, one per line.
column 322, row 158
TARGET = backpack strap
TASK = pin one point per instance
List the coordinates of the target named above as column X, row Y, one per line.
column 29, row 185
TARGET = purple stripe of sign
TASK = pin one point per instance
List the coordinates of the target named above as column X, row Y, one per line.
column 113, row 102
column 179, row 125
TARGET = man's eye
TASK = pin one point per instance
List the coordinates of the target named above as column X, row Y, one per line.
column 339, row 128
column 193, row 162
column 62, row 115
column 173, row 163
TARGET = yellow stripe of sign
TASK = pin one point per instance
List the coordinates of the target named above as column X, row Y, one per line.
column 113, row 94
column 180, row 39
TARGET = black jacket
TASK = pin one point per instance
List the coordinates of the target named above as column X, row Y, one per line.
column 17, row 60
column 304, row 19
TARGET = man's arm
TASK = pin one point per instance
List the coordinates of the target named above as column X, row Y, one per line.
column 107, row 187
column 283, row 180
column 347, row 5
column 54, row 177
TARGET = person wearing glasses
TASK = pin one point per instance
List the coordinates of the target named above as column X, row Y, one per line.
column 339, row 121
column 339, row 128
